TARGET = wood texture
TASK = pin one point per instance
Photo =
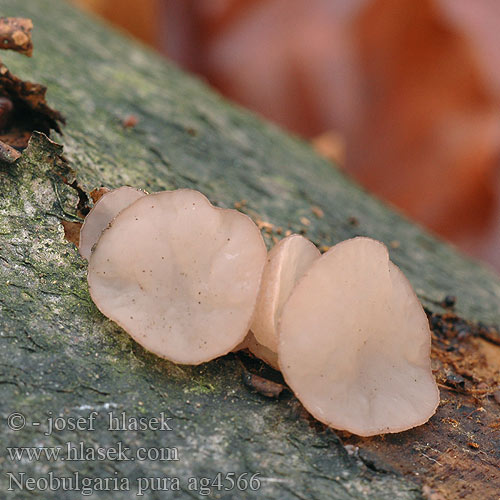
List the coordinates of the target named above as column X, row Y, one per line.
column 60, row 355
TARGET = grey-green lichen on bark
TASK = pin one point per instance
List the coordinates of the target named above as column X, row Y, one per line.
column 60, row 355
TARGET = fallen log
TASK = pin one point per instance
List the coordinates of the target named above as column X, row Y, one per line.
column 61, row 358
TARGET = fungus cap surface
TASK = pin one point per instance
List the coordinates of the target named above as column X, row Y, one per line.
column 179, row 275
column 287, row 261
column 108, row 206
column 355, row 343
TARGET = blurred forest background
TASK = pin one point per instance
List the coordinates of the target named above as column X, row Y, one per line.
column 403, row 94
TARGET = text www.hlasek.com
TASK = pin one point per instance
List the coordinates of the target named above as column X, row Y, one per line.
column 144, row 485
column 79, row 452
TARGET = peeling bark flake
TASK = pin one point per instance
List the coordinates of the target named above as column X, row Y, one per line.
column 15, row 34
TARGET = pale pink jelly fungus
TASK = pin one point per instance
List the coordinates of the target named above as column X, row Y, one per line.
column 355, row 343
column 258, row 350
column 179, row 275
column 103, row 212
column 287, row 261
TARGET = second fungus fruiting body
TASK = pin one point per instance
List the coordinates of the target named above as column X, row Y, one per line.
column 261, row 351
column 355, row 343
column 179, row 275
column 191, row 282
column 287, row 261
column 104, row 211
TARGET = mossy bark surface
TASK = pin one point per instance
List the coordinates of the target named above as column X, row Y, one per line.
column 59, row 354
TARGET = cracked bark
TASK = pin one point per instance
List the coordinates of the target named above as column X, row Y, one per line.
column 59, row 354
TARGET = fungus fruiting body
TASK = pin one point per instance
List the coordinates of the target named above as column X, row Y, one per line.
column 261, row 351
column 287, row 261
column 354, row 343
column 104, row 211
column 191, row 282
column 179, row 275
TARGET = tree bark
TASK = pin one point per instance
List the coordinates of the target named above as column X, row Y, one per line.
column 60, row 355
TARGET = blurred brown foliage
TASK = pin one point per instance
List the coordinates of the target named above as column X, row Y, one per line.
column 411, row 88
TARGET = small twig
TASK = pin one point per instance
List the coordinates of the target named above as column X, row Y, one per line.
column 430, row 458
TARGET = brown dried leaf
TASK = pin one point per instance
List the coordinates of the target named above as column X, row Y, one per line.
column 262, row 385
column 8, row 154
column 30, row 110
column 15, row 34
column 331, row 145
column 317, row 211
column 130, row 121
column 72, row 231
column 97, row 193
